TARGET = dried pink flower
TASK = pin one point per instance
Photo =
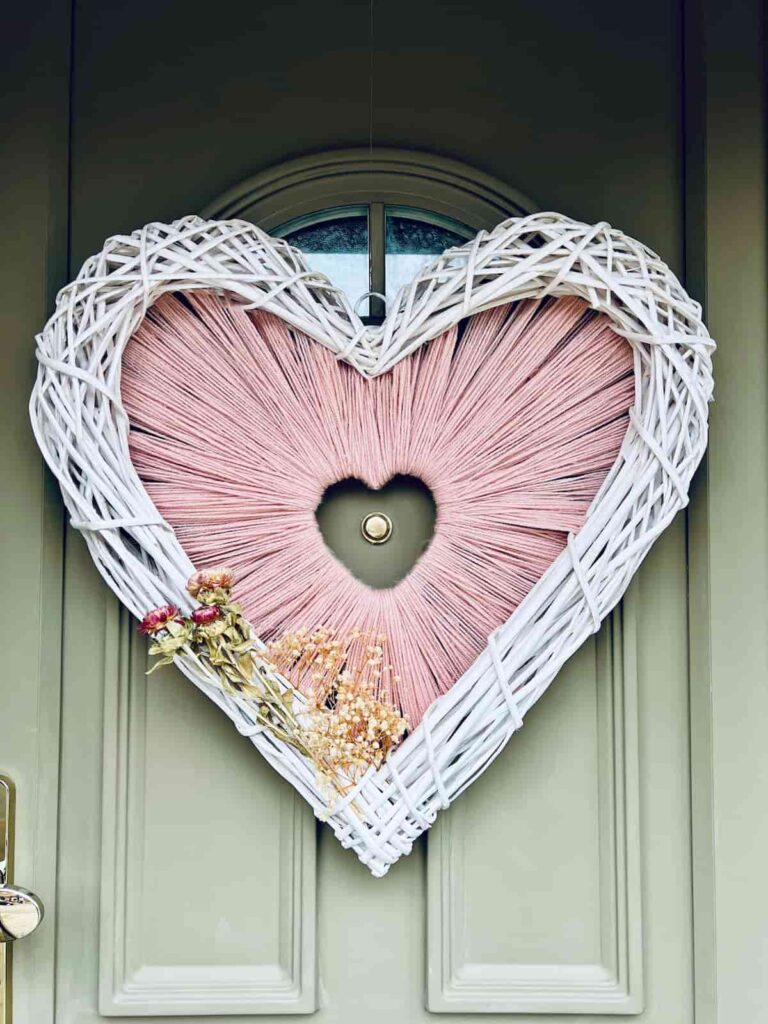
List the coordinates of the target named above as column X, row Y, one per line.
column 210, row 579
column 205, row 614
column 158, row 618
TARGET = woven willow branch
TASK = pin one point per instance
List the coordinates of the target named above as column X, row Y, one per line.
column 82, row 430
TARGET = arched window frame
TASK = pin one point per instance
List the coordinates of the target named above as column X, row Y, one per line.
column 311, row 188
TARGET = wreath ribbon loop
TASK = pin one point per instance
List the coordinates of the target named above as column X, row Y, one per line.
column 586, row 589
column 660, row 455
column 503, row 684
column 126, row 523
column 442, row 792
column 421, row 819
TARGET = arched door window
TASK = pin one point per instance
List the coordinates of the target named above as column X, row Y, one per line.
column 369, row 220
column 372, row 248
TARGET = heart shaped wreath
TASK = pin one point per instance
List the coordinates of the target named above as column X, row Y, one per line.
column 83, row 428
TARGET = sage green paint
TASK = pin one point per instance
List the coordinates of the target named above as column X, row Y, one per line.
column 581, row 107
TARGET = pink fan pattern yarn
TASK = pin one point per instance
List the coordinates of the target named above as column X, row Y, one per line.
column 239, row 423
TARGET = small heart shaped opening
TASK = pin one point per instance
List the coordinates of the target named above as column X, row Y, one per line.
column 353, row 519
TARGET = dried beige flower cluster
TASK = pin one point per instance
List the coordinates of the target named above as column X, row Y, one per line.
column 314, row 658
column 350, row 726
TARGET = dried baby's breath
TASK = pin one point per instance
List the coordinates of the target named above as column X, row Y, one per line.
column 356, row 732
column 350, row 724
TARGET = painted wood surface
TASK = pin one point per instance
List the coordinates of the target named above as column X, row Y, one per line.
column 485, row 917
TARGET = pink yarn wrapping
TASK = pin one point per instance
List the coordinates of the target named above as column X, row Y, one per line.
column 239, row 423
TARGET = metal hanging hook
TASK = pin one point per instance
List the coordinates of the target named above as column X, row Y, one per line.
column 368, row 295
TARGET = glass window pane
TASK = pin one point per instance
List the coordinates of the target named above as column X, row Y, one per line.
column 335, row 243
column 413, row 238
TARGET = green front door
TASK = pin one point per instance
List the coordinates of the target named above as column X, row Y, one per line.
column 610, row 862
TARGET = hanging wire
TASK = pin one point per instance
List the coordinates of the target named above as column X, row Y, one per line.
column 370, row 80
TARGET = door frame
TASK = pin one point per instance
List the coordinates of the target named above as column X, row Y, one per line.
column 726, row 241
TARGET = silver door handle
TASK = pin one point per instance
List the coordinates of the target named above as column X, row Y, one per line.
column 20, row 910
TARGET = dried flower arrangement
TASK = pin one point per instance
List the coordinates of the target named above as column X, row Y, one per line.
column 336, row 715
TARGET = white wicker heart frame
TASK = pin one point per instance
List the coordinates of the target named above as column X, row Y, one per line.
column 82, row 430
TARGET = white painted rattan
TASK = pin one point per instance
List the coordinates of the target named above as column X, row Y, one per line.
column 82, row 430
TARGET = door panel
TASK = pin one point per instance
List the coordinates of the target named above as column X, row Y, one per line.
column 207, row 860
column 546, row 886
column 515, row 925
